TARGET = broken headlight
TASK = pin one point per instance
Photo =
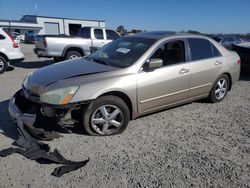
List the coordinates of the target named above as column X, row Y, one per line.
column 59, row 96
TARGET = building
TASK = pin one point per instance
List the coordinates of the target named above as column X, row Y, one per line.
column 48, row 25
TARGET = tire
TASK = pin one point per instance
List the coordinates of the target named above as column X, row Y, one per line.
column 73, row 55
column 219, row 90
column 3, row 64
column 107, row 115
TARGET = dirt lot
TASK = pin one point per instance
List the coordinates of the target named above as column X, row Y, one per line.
column 198, row 144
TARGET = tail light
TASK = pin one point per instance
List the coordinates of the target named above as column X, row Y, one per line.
column 44, row 43
column 15, row 45
column 239, row 62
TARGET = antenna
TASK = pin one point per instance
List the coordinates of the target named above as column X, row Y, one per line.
column 36, row 9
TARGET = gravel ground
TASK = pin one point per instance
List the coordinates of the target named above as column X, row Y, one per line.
column 198, row 144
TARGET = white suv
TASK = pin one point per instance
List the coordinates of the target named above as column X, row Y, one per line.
column 9, row 50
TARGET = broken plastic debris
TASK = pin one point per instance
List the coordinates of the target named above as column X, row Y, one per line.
column 35, row 150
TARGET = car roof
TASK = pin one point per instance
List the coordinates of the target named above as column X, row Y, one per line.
column 163, row 34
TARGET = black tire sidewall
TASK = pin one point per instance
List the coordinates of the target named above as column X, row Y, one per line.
column 105, row 100
column 5, row 64
column 212, row 96
column 69, row 53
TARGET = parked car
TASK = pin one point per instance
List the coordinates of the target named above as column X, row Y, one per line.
column 217, row 39
column 243, row 49
column 30, row 37
column 128, row 78
column 228, row 42
column 67, row 47
column 9, row 50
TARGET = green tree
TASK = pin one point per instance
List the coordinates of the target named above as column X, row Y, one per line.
column 121, row 30
column 193, row 32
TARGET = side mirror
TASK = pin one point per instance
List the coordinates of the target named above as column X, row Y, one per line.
column 155, row 63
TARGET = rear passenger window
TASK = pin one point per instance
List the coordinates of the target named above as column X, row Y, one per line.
column 98, row 33
column 111, row 35
column 216, row 52
column 200, row 49
column 84, row 32
column 2, row 37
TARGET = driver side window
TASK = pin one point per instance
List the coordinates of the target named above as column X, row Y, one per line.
column 171, row 52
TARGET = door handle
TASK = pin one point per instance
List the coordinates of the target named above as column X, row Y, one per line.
column 218, row 63
column 182, row 71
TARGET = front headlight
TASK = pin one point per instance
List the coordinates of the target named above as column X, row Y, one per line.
column 59, row 96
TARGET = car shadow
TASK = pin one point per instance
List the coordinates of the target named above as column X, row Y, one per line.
column 245, row 77
column 7, row 127
column 32, row 64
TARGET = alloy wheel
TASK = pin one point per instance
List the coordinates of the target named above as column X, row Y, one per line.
column 221, row 88
column 1, row 65
column 107, row 119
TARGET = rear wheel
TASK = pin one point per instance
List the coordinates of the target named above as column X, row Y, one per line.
column 107, row 115
column 220, row 89
column 3, row 64
column 73, row 54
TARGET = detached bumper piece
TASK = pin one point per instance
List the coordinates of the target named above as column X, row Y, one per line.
column 28, row 114
column 35, row 150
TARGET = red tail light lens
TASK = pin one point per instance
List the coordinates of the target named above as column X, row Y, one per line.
column 15, row 45
column 44, row 43
column 239, row 62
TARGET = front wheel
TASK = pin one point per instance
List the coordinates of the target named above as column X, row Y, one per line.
column 3, row 64
column 219, row 90
column 107, row 115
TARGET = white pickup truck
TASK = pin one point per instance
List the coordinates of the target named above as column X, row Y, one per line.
column 62, row 47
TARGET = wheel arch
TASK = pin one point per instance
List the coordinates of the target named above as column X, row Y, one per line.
column 124, row 97
column 230, row 79
column 73, row 48
column 4, row 56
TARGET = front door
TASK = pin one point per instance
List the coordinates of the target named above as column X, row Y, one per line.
column 98, row 40
column 167, row 85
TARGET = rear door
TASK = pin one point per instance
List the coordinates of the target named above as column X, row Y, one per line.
column 167, row 85
column 206, row 65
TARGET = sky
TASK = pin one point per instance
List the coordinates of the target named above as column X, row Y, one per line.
column 206, row 16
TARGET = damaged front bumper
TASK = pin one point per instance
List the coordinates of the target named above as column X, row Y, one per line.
column 41, row 120
column 18, row 116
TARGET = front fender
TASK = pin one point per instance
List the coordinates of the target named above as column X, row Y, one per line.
column 93, row 90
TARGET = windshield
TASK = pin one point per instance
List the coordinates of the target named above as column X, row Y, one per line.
column 122, row 52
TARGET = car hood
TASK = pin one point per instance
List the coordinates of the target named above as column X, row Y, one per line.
column 40, row 79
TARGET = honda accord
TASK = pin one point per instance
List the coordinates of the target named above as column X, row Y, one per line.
column 130, row 77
